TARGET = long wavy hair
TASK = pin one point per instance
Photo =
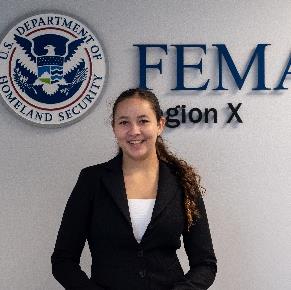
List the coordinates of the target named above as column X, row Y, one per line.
column 187, row 175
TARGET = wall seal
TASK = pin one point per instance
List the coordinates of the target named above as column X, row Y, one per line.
column 52, row 69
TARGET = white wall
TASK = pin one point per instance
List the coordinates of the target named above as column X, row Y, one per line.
column 245, row 167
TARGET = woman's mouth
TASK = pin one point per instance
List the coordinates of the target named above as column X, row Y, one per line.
column 133, row 142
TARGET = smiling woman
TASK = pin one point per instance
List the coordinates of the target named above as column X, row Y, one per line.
column 133, row 210
column 136, row 128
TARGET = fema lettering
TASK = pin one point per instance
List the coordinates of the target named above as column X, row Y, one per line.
column 52, row 69
column 224, row 60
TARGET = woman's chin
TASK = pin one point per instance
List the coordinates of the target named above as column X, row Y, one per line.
column 137, row 155
column 138, row 151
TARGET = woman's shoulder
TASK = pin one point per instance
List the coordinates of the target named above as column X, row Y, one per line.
column 112, row 163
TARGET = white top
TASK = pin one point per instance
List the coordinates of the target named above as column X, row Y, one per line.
column 140, row 210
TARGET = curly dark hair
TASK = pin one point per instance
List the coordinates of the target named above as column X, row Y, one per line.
column 187, row 175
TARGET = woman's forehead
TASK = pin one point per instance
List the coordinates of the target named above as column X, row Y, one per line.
column 134, row 106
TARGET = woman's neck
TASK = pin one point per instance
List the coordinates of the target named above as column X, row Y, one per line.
column 130, row 165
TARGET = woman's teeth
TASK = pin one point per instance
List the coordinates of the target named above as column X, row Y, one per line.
column 135, row 141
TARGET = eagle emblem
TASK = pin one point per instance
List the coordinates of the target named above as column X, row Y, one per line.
column 53, row 70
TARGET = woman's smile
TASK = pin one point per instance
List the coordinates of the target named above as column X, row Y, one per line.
column 135, row 141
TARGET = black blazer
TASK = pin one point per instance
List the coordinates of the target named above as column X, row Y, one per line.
column 97, row 210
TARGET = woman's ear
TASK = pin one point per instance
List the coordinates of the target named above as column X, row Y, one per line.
column 161, row 125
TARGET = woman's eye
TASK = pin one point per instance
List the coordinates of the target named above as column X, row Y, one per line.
column 144, row 121
column 123, row 123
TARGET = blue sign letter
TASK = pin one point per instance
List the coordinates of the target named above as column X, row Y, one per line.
column 181, row 66
column 259, row 53
column 143, row 66
column 286, row 72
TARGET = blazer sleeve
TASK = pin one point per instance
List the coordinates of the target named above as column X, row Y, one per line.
column 71, row 240
column 199, row 249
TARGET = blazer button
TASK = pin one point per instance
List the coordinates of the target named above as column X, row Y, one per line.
column 142, row 273
column 140, row 253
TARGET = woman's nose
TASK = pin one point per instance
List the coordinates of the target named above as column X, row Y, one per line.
column 134, row 129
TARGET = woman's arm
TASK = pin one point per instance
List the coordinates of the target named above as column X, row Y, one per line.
column 199, row 249
column 71, row 240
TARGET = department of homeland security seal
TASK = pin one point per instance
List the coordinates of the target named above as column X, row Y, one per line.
column 52, row 69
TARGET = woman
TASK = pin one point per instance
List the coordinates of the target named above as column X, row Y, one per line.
column 133, row 210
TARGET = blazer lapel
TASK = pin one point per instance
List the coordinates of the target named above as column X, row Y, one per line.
column 113, row 180
column 167, row 188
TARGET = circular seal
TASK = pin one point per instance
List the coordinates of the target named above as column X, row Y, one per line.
column 52, row 69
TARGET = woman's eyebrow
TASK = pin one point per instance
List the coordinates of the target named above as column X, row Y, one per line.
column 126, row 117
column 142, row 116
column 122, row 117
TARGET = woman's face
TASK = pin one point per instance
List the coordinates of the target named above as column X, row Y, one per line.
column 136, row 128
